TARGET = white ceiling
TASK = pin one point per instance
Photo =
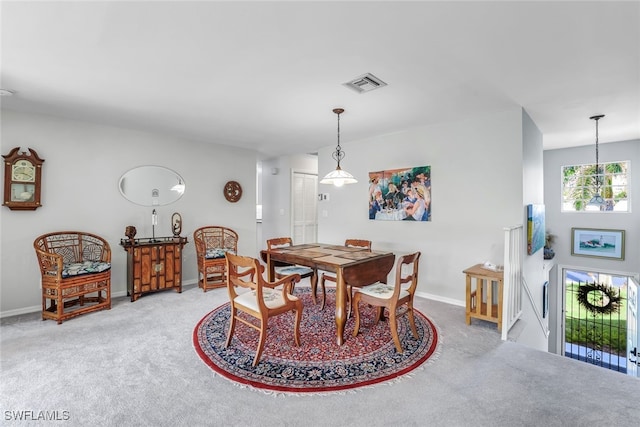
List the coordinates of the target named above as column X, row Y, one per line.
column 266, row 75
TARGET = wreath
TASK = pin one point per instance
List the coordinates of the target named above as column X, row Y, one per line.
column 599, row 298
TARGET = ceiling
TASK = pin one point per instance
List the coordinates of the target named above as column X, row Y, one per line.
column 266, row 75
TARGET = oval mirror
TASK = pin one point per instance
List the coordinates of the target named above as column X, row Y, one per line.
column 151, row 186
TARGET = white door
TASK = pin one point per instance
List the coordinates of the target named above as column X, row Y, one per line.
column 304, row 213
column 632, row 328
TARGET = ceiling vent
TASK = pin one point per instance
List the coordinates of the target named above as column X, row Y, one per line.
column 365, row 83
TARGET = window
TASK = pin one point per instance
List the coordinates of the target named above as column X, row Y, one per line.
column 579, row 186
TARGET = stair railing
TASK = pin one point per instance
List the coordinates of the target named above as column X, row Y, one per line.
column 512, row 282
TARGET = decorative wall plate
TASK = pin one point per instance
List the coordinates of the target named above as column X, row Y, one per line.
column 232, row 191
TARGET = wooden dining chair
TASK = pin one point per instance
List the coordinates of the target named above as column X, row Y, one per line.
column 392, row 297
column 353, row 243
column 283, row 270
column 263, row 301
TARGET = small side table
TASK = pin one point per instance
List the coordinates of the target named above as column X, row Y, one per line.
column 480, row 298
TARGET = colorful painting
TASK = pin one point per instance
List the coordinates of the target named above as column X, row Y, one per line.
column 535, row 228
column 597, row 243
column 400, row 194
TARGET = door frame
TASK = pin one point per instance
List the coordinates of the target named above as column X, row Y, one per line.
column 561, row 294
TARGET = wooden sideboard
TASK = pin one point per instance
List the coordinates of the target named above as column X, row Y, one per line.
column 153, row 264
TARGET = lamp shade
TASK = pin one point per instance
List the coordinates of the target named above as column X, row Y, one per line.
column 338, row 178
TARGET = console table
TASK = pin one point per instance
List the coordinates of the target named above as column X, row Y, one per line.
column 482, row 301
column 153, row 264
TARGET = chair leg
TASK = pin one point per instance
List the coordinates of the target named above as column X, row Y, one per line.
column 263, row 336
column 232, row 326
column 393, row 325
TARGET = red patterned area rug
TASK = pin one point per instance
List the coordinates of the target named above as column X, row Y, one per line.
column 319, row 365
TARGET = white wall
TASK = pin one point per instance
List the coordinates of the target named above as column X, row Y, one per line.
column 560, row 224
column 533, row 334
column 83, row 163
column 477, row 189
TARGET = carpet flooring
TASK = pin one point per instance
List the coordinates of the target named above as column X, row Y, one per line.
column 135, row 365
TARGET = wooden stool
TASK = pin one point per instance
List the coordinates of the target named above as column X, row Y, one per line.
column 480, row 298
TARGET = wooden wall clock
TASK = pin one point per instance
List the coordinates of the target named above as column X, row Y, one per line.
column 232, row 191
column 22, row 180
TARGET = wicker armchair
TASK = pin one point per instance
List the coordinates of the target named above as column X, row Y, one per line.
column 212, row 242
column 76, row 274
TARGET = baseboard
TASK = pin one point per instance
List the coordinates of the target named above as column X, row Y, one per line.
column 441, row 299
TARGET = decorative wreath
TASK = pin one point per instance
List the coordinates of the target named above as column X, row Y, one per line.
column 599, row 298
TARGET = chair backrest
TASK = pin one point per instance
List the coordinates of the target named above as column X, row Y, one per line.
column 279, row 242
column 247, row 272
column 214, row 237
column 358, row 243
column 407, row 272
column 73, row 246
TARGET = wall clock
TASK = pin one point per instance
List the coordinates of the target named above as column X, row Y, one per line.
column 232, row 191
column 22, row 180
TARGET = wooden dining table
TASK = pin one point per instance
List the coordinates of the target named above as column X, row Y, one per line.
column 356, row 266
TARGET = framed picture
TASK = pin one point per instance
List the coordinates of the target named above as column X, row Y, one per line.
column 535, row 228
column 400, row 194
column 599, row 243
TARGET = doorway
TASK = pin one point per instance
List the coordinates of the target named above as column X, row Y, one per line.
column 597, row 325
column 304, row 212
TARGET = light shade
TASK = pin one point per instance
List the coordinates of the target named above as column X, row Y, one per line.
column 338, row 178
column 596, row 202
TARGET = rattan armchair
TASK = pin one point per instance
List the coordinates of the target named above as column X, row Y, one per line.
column 76, row 274
column 212, row 242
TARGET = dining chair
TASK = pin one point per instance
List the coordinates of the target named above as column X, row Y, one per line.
column 282, row 269
column 392, row 297
column 353, row 243
column 262, row 301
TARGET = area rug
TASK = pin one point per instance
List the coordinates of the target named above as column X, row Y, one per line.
column 319, row 365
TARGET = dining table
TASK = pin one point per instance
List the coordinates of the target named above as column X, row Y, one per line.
column 356, row 266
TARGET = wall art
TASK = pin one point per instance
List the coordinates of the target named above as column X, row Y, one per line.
column 599, row 243
column 535, row 228
column 400, row 194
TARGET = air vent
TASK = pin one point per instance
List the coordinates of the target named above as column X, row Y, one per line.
column 365, row 83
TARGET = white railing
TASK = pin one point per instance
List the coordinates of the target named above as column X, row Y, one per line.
column 512, row 283
column 544, row 327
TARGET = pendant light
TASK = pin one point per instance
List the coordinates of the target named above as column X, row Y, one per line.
column 338, row 177
column 597, row 202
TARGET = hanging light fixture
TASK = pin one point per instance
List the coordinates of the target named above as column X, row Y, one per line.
column 338, row 177
column 597, row 202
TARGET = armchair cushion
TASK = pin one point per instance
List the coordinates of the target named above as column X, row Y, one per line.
column 215, row 253
column 86, row 267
